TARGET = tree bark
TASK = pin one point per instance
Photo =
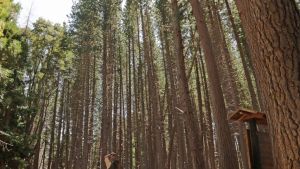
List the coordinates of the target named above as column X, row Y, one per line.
column 86, row 92
column 186, row 103
column 244, row 57
column 273, row 33
column 51, row 149
column 225, row 142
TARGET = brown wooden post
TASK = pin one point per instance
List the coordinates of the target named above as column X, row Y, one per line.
column 254, row 150
column 256, row 160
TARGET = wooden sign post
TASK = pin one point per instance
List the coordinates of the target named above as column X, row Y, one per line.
column 258, row 142
column 254, row 145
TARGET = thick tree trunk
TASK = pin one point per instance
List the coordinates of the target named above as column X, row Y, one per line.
column 273, row 33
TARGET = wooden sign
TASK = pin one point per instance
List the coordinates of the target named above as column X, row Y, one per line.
column 256, row 138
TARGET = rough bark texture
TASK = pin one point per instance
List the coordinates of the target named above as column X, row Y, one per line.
column 272, row 30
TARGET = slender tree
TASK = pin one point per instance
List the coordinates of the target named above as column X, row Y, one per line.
column 225, row 143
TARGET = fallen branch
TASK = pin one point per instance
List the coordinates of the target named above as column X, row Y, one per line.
column 4, row 145
column 179, row 110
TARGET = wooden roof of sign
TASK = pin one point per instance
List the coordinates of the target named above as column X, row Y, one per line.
column 244, row 115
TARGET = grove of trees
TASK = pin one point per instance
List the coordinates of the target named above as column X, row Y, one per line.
column 152, row 81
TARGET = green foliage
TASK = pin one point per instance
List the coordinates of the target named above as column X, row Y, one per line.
column 50, row 48
column 10, row 45
column 11, row 64
column 26, row 60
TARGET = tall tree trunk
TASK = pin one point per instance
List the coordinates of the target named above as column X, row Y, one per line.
column 273, row 33
column 51, row 149
column 68, row 122
column 225, row 142
column 154, row 97
column 141, row 95
column 129, row 112
column 86, row 111
column 92, row 110
column 104, row 119
column 121, row 109
column 244, row 57
column 137, row 153
column 207, row 116
column 78, row 159
column 115, row 112
column 59, row 130
column 200, row 109
column 153, row 94
column 230, row 77
column 186, row 103
column 39, row 144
